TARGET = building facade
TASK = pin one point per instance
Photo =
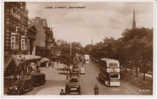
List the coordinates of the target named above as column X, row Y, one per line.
column 16, row 25
column 49, row 38
column 50, row 42
column 40, row 25
column 31, row 33
column 44, row 39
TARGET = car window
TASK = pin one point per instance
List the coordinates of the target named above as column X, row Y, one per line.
column 74, row 80
column 114, row 76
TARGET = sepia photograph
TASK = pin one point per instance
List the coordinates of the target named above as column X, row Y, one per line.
column 78, row 48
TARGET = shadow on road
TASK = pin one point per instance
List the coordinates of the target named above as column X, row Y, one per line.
column 49, row 84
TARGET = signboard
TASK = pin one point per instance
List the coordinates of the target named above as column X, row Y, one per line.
column 109, row 70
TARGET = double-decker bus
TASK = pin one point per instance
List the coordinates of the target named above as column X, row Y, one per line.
column 110, row 72
column 87, row 58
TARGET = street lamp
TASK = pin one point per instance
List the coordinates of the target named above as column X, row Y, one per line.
column 68, row 67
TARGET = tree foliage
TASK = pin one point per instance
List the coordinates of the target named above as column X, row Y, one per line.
column 68, row 51
column 134, row 49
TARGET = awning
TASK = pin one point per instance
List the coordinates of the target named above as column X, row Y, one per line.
column 21, row 58
column 44, row 60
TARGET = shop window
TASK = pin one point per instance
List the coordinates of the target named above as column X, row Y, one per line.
column 13, row 42
column 23, row 45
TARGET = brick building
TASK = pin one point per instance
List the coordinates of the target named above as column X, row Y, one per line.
column 15, row 31
column 31, row 34
column 49, row 38
column 40, row 25
column 44, row 39
column 50, row 42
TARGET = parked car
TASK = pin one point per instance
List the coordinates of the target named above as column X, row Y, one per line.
column 73, row 86
column 20, row 87
column 38, row 79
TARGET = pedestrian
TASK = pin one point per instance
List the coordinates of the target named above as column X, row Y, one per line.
column 96, row 90
column 62, row 92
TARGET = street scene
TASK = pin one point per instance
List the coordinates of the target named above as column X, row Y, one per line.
column 78, row 48
column 86, row 82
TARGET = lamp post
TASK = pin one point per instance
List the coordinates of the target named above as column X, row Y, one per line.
column 68, row 67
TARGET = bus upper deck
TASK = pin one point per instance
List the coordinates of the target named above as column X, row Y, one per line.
column 110, row 65
column 110, row 72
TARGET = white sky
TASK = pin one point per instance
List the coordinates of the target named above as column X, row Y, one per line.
column 94, row 22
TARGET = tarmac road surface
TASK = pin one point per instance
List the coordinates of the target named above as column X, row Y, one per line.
column 55, row 82
column 89, row 80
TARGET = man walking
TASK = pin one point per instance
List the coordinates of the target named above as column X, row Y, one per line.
column 96, row 90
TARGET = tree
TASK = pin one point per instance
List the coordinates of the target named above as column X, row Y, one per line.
column 68, row 51
column 138, row 43
column 134, row 49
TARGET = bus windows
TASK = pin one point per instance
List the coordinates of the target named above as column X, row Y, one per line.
column 114, row 75
column 113, row 65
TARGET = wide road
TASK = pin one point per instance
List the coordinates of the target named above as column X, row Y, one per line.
column 89, row 80
column 55, row 82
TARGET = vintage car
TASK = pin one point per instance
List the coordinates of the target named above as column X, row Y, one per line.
column 38, row 79
column 20, row 87
column 76, row 70
column 73, row 86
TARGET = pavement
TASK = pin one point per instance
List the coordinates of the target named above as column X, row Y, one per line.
column 54, row 82
column 146, row 74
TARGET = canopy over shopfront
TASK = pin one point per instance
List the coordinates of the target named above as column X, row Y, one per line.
column 44, row 60
column 15, row 62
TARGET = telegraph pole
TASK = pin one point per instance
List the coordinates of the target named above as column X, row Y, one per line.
column 70, row 54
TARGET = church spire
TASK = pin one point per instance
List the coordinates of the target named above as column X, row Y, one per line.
column 134, row 20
